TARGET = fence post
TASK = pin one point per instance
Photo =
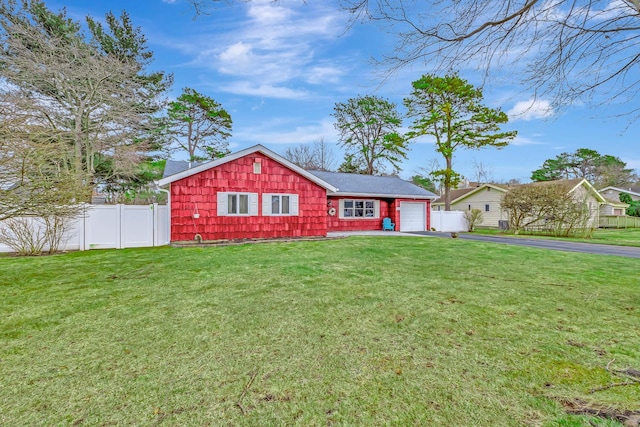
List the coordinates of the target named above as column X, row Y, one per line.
column 119, row 225
column 82, row 229
column 155, row 224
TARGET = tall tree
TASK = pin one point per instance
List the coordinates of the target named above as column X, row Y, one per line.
column 92, row 94
column 566, row 49
column 368, row 130
column 424, row 182
column 449, row 109
column 600, row 170
column 352, row 164
column 200, row 125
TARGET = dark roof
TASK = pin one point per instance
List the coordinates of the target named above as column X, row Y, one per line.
column 176, row 166
column 355, row 184
column 455, row 194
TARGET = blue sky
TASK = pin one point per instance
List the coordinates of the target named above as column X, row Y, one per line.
column 279, row 69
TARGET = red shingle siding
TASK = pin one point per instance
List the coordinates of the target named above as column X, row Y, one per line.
column 238, row 176
column 335, row 223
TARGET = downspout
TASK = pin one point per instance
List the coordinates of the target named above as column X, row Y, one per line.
column 168, row 207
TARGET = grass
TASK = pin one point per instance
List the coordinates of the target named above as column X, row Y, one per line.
column 357, row 331
column 607, row 236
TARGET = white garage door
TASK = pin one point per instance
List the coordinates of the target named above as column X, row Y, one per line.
column 412, row 216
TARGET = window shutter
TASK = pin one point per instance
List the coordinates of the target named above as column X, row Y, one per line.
column 222, row 204
column 253, row 204
column 293, row 208
column 341, row 208
column 376, row 208
column 266, row 204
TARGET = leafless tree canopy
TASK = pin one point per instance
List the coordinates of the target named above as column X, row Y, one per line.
column 91, row 104
column 550, row 208
column 567, row 49
column 318, row 156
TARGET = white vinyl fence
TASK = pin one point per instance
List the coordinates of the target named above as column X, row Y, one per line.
column 115, row 227
column 448, row 221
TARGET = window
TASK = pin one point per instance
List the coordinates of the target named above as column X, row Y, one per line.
column 257, row 168
column 238, row 204
column 230, row 204
column 279, row 204
column 486, row 208
column 359, row 208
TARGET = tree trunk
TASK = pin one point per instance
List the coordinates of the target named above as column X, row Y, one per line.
column 447, row 185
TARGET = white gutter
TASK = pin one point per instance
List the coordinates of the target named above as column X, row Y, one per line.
column 168, row 207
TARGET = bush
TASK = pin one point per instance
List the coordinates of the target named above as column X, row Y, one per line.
column 474, row 217
column 31, row 235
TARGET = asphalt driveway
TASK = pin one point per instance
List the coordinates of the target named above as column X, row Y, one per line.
column 558, row 245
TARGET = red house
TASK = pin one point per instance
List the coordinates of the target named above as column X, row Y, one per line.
column 255, row 193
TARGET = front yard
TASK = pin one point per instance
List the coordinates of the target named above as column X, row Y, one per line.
column 356, row 331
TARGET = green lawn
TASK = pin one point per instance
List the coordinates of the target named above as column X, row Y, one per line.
column 359, row 331
column 608, row 236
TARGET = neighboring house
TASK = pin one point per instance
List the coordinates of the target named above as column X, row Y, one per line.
column 486, row 197
column 613, row 208
column 255, row 193
column 613, row 193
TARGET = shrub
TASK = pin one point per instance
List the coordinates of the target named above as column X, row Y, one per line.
column 474, row 217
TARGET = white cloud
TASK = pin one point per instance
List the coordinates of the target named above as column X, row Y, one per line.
column 278, row 45
column 279, row 132
column 263, row 90
column 523, row 140
column 324, row 74
column 531, row 110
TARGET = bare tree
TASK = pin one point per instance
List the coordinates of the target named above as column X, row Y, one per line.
column 318, row 156
column 302, row 155
column 548, row 207
column 38, row 197
column 90, row 97
column 33, row 174
column 567, row 49
column 324, row 154
column 481, row 173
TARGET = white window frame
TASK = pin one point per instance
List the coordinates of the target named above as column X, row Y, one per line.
column 352, row 204
column 267, row 204
column 223, row 203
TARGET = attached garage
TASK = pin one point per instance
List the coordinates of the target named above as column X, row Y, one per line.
column 413, row 216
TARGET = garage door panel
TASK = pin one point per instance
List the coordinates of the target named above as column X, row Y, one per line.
column 413, row 216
